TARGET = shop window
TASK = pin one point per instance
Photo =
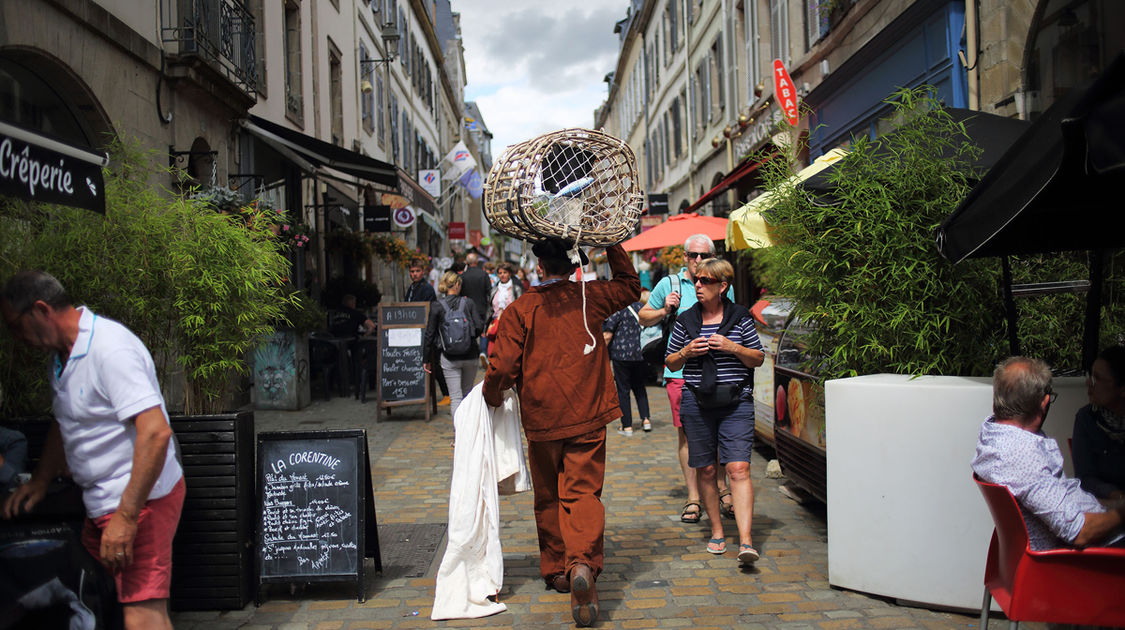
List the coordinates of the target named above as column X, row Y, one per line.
column 336, row 94
column 779, row 30
column 367, row 89
column 1070, row 43
column 294, row 104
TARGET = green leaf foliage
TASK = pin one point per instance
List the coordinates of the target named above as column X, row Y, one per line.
column 866, row 272
column 197, row 286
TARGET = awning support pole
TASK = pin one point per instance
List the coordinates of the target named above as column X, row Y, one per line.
column 1093, row 309
column 1010, row 307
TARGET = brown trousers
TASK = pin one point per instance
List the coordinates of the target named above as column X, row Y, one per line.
column 567, row 476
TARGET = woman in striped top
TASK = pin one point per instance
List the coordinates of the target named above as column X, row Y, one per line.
column 717, row 346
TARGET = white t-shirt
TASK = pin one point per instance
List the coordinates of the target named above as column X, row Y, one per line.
column 108, row 380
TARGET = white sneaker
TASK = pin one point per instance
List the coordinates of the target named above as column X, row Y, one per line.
column 626, row 431
column 646, row 425
column 483, row 361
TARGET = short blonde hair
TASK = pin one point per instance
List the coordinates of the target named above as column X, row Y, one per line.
column 448, row 280
column 716, row 268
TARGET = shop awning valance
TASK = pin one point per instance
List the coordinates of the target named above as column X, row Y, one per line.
column 742, row 170
column 320, row 153
column 39, row 168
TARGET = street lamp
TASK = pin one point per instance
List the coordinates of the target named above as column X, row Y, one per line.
column 390, row 37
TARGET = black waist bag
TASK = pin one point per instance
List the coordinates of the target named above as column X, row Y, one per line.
column 725, row 395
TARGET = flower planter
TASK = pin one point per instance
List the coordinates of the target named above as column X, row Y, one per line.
column 905, row 519
column 212, row 554
column 281, row 372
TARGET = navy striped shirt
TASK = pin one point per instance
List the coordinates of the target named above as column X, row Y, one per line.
column 731, row 369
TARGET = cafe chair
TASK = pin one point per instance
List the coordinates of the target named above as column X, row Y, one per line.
column 365, row 354
column 323, row 361
column 1065, row 586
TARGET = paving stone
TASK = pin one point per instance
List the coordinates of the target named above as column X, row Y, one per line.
column 656, row 574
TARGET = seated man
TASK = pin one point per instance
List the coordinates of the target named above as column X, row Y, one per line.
column 354, row 322
column 1013, row 452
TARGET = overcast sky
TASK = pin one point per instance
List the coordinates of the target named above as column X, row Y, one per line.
column 535, row 66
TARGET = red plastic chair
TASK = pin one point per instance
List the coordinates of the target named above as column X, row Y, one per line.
column 1075, row 586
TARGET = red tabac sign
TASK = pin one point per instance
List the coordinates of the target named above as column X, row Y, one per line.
column 784, row 92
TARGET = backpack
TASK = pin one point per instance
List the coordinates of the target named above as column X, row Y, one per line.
column 456, row 329
column 648, row 333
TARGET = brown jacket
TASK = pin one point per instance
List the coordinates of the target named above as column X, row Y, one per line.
column 538, row 348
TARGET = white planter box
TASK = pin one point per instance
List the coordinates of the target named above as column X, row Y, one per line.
column 905, row 519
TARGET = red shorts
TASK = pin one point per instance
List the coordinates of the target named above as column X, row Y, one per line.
column 675, row 387
column 150, row 575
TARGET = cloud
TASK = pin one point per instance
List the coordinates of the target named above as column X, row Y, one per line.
column 538, row 66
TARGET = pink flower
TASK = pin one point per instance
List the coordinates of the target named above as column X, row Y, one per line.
column 285, row 228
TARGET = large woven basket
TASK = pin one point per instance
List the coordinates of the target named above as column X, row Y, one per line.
column 574, row 184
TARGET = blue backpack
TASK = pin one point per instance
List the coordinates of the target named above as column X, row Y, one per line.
column 456, row 330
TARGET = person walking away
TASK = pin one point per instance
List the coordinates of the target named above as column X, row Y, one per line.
column 504, row 293
column 451, row 335
column 675, row 294
column 548, row 348
column 111, row 431
column 622, row 332
column 716, row 345
column 477, row 287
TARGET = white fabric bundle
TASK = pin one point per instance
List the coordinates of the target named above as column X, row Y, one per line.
column 487, row 459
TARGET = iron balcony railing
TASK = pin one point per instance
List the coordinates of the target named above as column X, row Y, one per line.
column 220, row 32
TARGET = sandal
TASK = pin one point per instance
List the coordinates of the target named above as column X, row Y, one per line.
column 726, row 508
column 747, row 554
column 717, row 546
column 689, row 515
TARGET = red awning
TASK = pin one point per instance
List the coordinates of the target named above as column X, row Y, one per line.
column 740, row 171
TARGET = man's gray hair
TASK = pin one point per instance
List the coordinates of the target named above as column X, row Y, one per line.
column 1018, row 387
column 700, row 238
column 27, row 287
column 471, row 259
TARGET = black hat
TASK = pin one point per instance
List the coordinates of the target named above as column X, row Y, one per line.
column 557, row 249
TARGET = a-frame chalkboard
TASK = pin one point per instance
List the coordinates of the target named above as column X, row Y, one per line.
column 316, row 512
column 401, row 379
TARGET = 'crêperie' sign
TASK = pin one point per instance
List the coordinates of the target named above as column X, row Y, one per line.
column 42, row 169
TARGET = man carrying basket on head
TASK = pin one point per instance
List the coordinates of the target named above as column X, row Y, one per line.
column 544, row 348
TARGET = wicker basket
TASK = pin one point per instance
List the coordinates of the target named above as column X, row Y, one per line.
column 574, row 184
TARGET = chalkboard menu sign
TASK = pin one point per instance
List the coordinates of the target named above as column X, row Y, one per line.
column 404, row 314
column 401, row 379
column 317, row 515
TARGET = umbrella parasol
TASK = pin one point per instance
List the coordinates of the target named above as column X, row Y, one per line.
column 1054, row 190
column 993, row 134
column 675, row 231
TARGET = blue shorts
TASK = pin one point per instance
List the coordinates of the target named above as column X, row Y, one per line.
column 728, row 431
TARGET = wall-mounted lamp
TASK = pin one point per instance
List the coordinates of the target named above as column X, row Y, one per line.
column 390, row 44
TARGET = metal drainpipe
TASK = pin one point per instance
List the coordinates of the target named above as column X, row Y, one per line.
column 971, row 45
column 691, row 99
column 650, row 171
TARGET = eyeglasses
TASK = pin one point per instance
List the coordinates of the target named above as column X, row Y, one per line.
column 1052, row 397
column 699, row 255
column 707, row 281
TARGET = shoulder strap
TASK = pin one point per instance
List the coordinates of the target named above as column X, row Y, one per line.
column 635, row 313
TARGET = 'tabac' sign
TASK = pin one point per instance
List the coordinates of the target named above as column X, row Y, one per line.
column 785, row 93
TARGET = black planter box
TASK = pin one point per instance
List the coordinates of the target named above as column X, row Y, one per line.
column 213, row 552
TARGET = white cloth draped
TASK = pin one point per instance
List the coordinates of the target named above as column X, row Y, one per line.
column 488, row 459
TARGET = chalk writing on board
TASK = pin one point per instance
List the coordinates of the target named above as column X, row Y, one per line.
column 308, row 510
column 404, row 337
column 402, row 314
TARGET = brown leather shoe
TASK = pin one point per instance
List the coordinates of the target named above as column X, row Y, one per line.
column 559, row 582
column 583, row 596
